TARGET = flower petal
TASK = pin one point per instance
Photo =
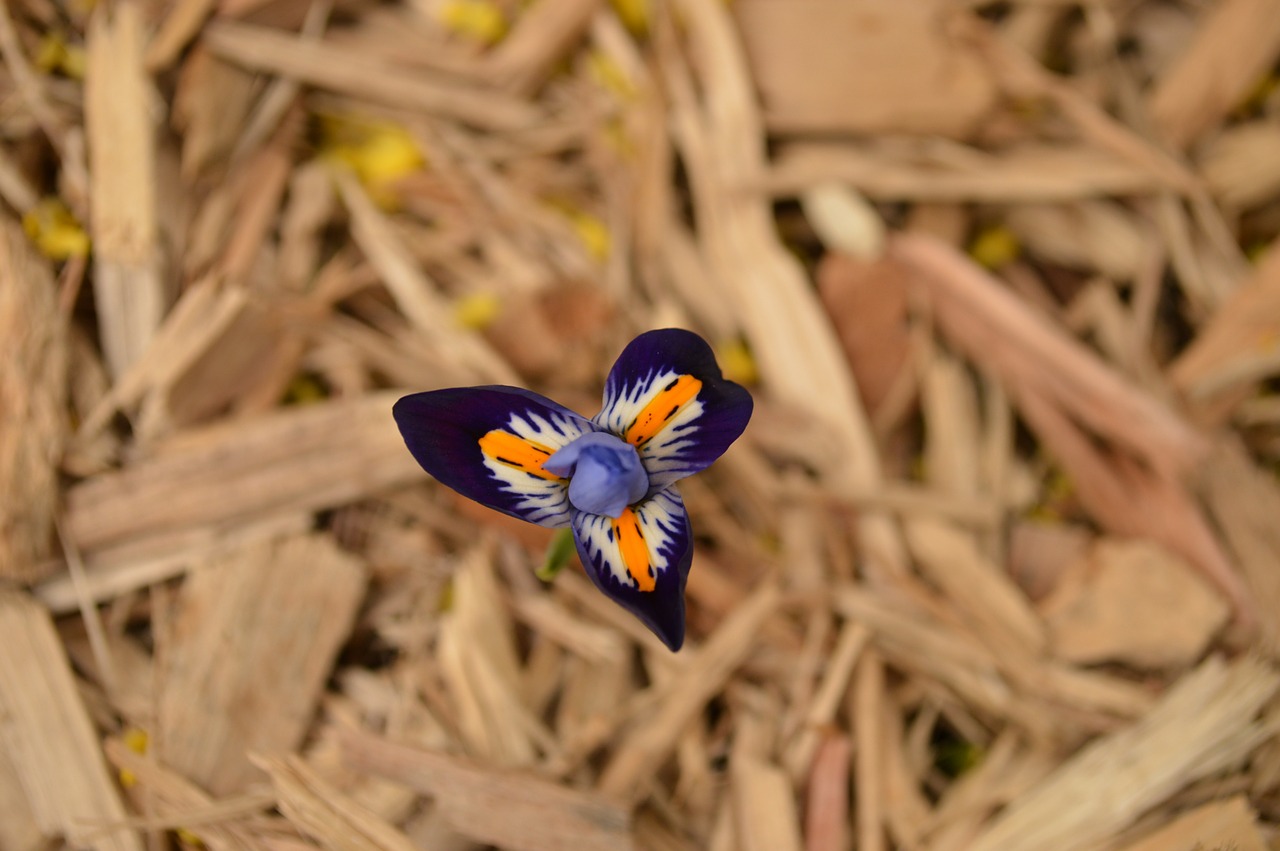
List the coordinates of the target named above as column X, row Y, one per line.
column 666, row 396
column 489, row 444
column 641, row 560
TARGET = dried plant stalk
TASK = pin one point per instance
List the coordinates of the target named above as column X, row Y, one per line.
column 127, row 284
column 33, row 418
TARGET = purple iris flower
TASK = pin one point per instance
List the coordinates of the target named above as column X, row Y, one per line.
column 668, row 413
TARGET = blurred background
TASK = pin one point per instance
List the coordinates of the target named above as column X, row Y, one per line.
column 995, row 566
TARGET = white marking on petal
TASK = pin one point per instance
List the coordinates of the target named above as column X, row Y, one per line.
column 661, row 519
column 658, row 453
column 542, row 501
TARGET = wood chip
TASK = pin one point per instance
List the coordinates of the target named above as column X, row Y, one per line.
column 517, row 811
column 950, row 559
column 765, row 815
column 645, row 745
column 1203, row 723
column 1220, row 824
column 313, row 457
column 883, row 66
column 1093, row 616
column 320, row 810
column 1244, row 502
column 257, row 628
column 329, row 66
column 910, row 170
column 48, row 737
column 18, row 825
column 33, row 384
column 1235, row 43
column 867, row 302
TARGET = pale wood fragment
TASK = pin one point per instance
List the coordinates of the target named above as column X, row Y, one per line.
column 865, row 704
column 646, row 743
column 920, row 170
column 764, row 807
column 174, row 802
column 33, row 418
column 543, row 34
column 828, row 697
column 325, row 65
column 414, row 292
column 798, row 355
column 210, row 106
column 1242, row 165
column 139, row 563
column 257, row 628
column 320, row 810
column 18, row 826
column 1041, row 551
column 1235, row 42
column 1130, row 500
column 1229, row 824
column 1133, row 602
column 178, row 28
column 1092, row 234
column 951, row 560
column 515, row 810
column 867, row 303
column 1234, row 349
column 1204, row 722
column 481, row 670
column 306, row 458
column 826, row 824
column 128, row 288
column 1245, row 502
column 872, row 66
column 48, row 737
column 990, row 325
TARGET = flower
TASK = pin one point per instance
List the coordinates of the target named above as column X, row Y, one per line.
column 668, row 413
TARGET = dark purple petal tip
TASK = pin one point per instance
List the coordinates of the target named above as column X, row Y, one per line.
column 641, row 560
column 667, row 396
column 489, row 443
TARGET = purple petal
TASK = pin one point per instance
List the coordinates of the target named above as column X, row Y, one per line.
column 666, row 395
column 489, row 444
column 641, row 560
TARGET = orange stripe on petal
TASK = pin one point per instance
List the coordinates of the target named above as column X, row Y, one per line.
column 634, row 550
column 661, row 408
column 514, row 451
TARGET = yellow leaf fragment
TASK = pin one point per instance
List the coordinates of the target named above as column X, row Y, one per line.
column 994, row 247
column 609, row 75
column 54, row 230
column 135, row 740
column 737, row 362
column 479, row 20
column 55, row 55
column 380, row 153
column 634, row 15
column 477, row 311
